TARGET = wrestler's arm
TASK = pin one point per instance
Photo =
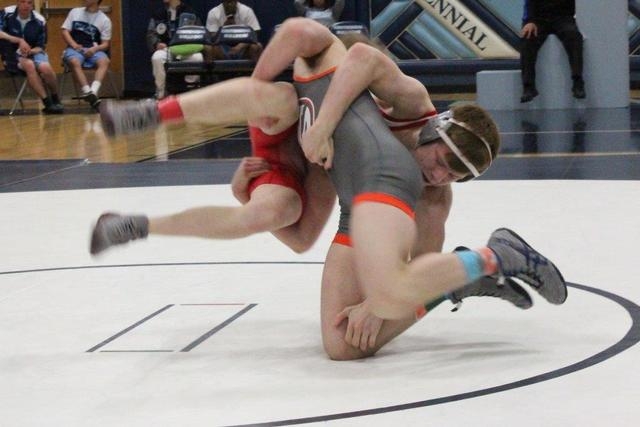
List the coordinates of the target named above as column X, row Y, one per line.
column 365, row 67
column 249, row 168
column 362, row 67
column 296, row 37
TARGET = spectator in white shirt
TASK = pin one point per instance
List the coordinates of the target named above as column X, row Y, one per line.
column 87, row 32
column 326, row 12
column 232, row 12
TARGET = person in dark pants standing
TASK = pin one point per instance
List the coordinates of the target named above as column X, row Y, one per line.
column 541, row 18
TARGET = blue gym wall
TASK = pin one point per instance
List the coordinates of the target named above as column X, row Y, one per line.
column 137, row 58
column 411, row 29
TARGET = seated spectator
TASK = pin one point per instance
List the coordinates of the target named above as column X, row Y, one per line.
column 232, row 12
column 26, row 34
column 162, row 27
column 541, row 18
column 87, row 32
column 326, row 12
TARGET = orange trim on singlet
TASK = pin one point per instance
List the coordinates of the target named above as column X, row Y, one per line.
column 342, row 239
column 320, row 75
column 420, row 312
column 387, row 200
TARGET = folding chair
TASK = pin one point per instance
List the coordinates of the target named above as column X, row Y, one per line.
column 67, row 70
column 20, row 91
column 14, row 73
column 231, row 35
column 188, row 40
column 349, row 27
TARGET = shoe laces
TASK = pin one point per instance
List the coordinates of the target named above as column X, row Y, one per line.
column 477, row 290
column 123, row 230
column 529, row 273
column 135, row 117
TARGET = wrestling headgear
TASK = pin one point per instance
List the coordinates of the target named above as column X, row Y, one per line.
column 437, row 127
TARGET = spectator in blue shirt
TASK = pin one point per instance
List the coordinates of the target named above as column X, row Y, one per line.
column 25, row 35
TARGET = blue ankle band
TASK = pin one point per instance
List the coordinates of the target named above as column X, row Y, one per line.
column 472, row 264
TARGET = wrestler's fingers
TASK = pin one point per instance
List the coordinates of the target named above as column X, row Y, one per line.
column 255, row 164
column 355, row 341
column 328, row 160
column 348, row 336
column 340, row 317
column 372, row 339
column 364, row 341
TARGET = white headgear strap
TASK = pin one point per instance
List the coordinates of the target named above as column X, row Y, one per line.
column 436, row 128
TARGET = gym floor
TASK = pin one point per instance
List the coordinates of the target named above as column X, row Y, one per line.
column 185, row 331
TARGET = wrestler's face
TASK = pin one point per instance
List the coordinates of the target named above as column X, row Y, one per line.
column 432, row 159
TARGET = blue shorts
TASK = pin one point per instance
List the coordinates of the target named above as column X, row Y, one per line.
column 226, row 50
column 37, row 59
column 92, row 62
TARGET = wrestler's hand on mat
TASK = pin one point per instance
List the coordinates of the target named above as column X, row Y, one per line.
column 249, row 168
column 362, row 326
column 317, row 145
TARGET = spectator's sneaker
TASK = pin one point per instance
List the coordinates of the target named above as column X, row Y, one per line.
column 91, row 99
column 120, row 118
column 517, row 259
column 488, row 286
column 53, row 109
column 113, row 229
column 52, row 105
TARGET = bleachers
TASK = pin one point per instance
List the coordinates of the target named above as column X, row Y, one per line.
column 214, row 71
column 210, row 73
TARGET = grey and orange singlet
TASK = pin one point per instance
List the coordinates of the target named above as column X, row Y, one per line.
column 369, row 163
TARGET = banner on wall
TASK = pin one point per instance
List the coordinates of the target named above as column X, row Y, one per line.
column 478, row 36
column 447, row 29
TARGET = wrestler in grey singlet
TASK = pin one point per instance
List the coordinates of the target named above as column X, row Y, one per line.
column 367, row 157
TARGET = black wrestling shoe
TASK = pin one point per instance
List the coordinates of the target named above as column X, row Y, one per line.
column 488, row 286
column 113, row 229
column 516, row 258
column 528, row 94
column 122, row 118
